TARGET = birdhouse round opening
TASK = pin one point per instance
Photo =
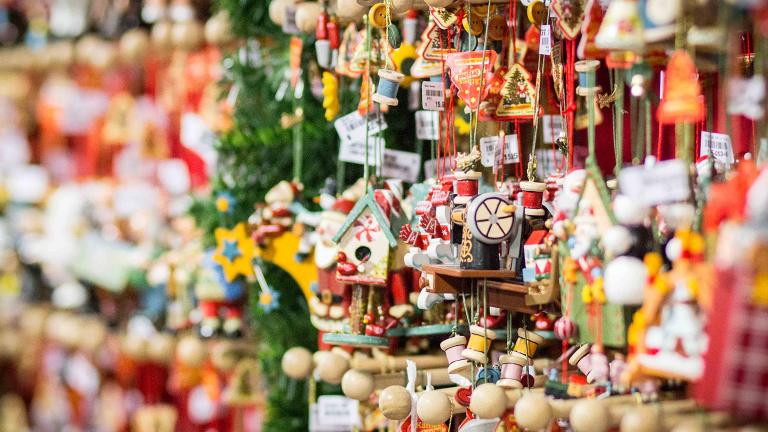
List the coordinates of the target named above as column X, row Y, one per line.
column 363, row 253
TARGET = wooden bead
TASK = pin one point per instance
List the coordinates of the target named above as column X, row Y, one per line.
column 297, row 363
column 84, row 48
column 331, row 367
column 191, row 351
column 277, row 10
column 488, row 401
column 349, row 10
column 395, row 403
column 589, row 415
column 187, row 35
column 306, row 16
column 643, row 419
column 134, row 45
column 222, row 356
column 533, row 411
column 401, row 6
column 434, row 407
column 357, row 385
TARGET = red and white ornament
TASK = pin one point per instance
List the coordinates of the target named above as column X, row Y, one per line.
column 565, row 328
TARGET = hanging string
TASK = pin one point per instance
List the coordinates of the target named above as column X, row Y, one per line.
column 519, row 164
column 366, row 169
column 570, row 72
column 475, row 112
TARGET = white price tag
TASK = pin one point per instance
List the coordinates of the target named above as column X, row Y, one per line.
column 552, row 127
column 545, row 40
column 433, row 96
column 353, row 151
column 664, row 182
column 719, row 145
column 351, row 127
column 490, row 150
column 401, row 165
column 337, row 411
column 427, row 125
column 430, row 167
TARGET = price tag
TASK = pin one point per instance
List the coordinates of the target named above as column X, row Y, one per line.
column 427, row 125
column 490, row 150
column 353, row 151
column 351, row 127
column 430, row 167
column 337, row 411
column 663, row 182
column 545, row 40
column 719, row 145
column 433, row 96
column 552, row 127
column 401, row 165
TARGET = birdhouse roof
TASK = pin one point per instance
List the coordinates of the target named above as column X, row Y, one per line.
column 385, row 208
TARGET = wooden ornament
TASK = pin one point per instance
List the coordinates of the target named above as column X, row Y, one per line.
column 395, row 403
column 537, row 12
column 191, row 351
column 223, row 356
column 434, row 407
column 357, row 385
column 297, row 363
column 187, row 35
column 439, row 4
column 479, row 343
column 497, row 28
column 60, row 54
column 331, row 367
column 306, row 16
column 644, row 419
column 84, row 48
column 533, row 412
column 622, row 28
column 401, row 6
column 92, row 335
column 488, row 401
column 277, row 10
column 589, row 415
column 218, row 29
column 349, row 10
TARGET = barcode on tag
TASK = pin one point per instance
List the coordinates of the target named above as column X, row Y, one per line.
column 490, row 151
column 432, row 96
column 352, row 126
column 553, row 127
column 427, row 125
column 719, row 145
column 545, row 40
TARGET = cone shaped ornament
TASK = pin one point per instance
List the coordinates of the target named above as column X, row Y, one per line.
column 622, row 28
column 682, row 92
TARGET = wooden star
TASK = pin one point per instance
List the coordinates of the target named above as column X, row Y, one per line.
column 234, row 264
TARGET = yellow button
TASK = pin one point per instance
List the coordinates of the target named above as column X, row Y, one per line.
column 474, row 25
column 537, row 12
column 378, row 15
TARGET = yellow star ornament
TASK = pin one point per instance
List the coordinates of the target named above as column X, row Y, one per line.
column 234, row 252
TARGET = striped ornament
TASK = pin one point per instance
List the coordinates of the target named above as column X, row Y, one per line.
column 565, row 328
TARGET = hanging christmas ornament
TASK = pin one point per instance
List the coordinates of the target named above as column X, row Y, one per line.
column 517, row 95
column 234, row 252
column 589, row 415
column 565, row 328
column 488, row 401
column 453, row 348
column 570, row 14
column 297, row 363
column 537, row 13
column 470, row 71
column 330, row 95
column 395, row 403
column 432, row 49
column 479, row 343
column 593, row 19
column 433, row 407
column 472, row 23
column 357, row 385
column 512, row 365
column 497, row 28
column 682, row 93
column 621, row 32
column 533, row 412
column 386, row 90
